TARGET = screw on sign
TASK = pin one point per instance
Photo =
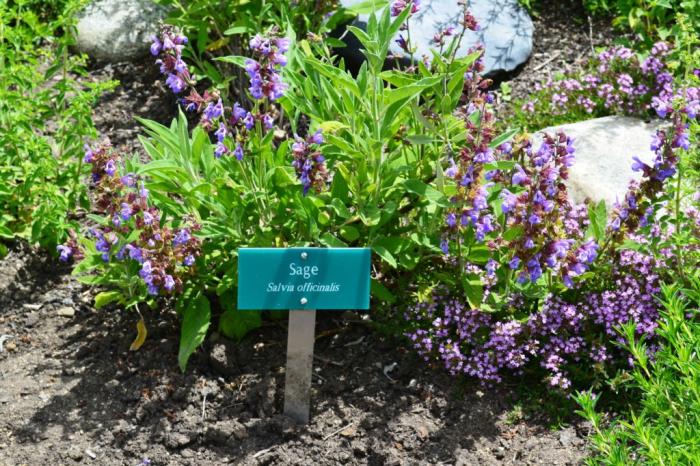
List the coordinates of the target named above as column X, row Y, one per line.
column 302, row 280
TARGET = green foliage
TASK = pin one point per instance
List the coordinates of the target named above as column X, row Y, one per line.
column 650, row 20
column 45, row 115
column 223, row 28
column 385, row 136
column 665, row 427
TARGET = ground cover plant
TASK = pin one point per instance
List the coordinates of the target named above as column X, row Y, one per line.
column 45, row 118
column 663, row 430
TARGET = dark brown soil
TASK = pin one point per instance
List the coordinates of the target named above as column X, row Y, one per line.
column 565, row 38
column 71, row 391
column 141, row 93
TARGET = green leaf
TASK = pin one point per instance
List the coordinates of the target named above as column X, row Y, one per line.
column 473, row 290
column 367, row 7
column 235, row 59
column 106, row 297
column 381, row 292
column 370, row 215
column 195, row 324
column 236, row 324
column 6, row 232
column 349, row 233
column 385, row 254
column 331, row 241
column 598, row 216
column 420, row 139
column 236, row 30
column 428, row 192
column 507, row 136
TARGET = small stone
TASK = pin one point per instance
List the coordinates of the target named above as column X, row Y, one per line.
column 75, row 454
column 222, row 358
column 33, row 307
column 177, row 440
column 10, row 346
column 90, row 453
column 65, row 311
column 567, row 437
column 31, row 320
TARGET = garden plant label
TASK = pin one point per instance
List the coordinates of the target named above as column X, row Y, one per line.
column 302, row 280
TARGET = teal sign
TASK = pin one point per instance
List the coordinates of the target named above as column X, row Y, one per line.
column 303, row 278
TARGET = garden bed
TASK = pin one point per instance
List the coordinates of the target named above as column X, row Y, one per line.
column 72, row 393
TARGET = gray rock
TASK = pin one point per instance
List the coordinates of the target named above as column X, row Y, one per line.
column 604, row 150
column 506, row 31
column 118, row 30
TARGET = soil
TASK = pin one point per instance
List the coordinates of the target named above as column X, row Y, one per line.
column 565, row 38
column 71, row 391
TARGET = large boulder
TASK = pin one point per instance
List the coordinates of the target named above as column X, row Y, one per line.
column 604, row 150
column 506, row 31
column 118, row 30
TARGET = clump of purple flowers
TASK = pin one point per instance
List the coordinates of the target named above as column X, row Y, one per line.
column 309, row 163
column 166, row 257
column 618, row 82
column 559, row 337
column 535, row 227
column 264, row 71
column 168, row 47
column 233, row 127
column 636, row 209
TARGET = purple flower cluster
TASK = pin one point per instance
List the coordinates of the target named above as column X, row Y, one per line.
column 398, row 6
column 621, row 83
column 560, row 335
column 166, row 257
column 636, row 208
column 309, row 164
column 264, row 73
column 233, row 127
column 168, row 46
column 537, row 228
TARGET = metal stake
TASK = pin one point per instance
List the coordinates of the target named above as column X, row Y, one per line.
column 300, row 354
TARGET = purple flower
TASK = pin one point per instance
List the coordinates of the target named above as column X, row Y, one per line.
column 213, row 111
column 238, row 152
column 189, row 260
column 176, row 83
column 182, row 237
column 317, row 137
column 638, row 165
column 220, row 150
column 89, row 154
column 221, row 132
column 156, row 46
column 514, row 262
column 65, row 252
column 169, row 283
column 238, row 113
column 126, row 211
column 110, row 168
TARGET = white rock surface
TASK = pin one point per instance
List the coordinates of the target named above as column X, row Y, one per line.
column 118, row 30
column 604, row 150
